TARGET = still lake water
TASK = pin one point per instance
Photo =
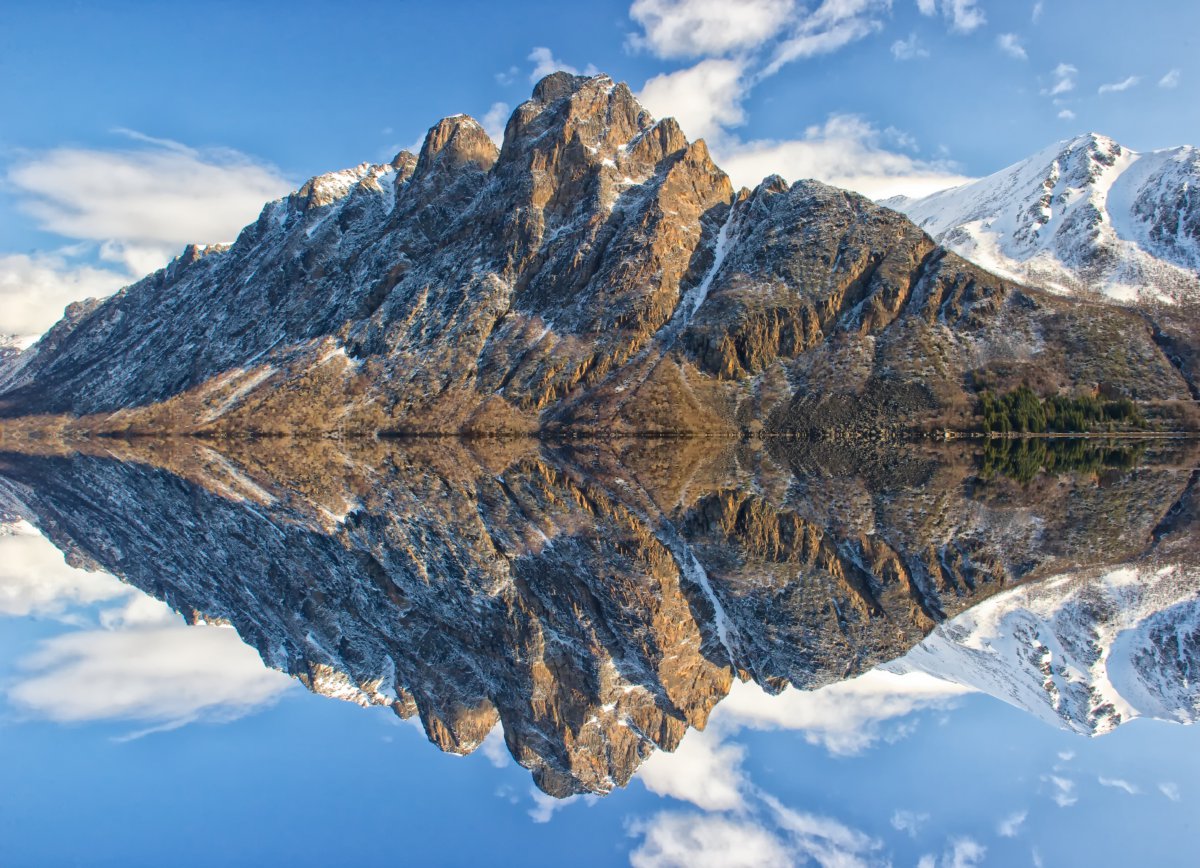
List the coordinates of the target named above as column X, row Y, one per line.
column 646, row 652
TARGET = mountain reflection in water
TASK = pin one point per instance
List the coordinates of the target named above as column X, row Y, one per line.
column 598, row 599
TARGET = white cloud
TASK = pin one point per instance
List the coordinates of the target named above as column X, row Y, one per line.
column 755, row 828
column 846, row 718
column 1066, row 115
column 1171, row 79
column 1118, row 784
column 901, row 139
column 909, row 49
column 1011, row 45
column 495, row 749
column 135, row 207
column 508, row 76
column 702, row 771
column 495, row 120
column 1170, row 790
column 696, row 28
column 1066, row 755
column 1119, row 86
column 36, row 580
column 846, row 151
column 964, row 16
column 145, row 665
column 909, row 822
column 544, row 63
column 959, row 853
column 35, row 289
column 1038, row 8
column 1010, row 826
column 545, row 807
column 1063, row 80
column 964, row 853
column 824, row 840
column 704, row 98
column 1064, row 790
column 829, row 27
column 713, row 28
column 677, row 840
column 143, row 205
column 682, row 840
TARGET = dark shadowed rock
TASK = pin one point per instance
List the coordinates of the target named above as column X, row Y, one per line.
column 597, row 274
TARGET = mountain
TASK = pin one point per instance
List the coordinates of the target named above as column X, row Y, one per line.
column 1086, row 215
column 1084, row 652
column 1090, row 649
column 597, row 600
column 12, row 348
column 597, row 273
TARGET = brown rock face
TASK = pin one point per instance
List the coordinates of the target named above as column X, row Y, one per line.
column 809, row 261
column 455, row 144
column 598, row 273
column 597, row 600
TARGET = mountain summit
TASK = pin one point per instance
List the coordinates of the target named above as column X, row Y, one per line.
column 598, row 273
column 1084, row 215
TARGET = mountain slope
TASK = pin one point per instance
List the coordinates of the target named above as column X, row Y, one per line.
column 1086, row 653
column 1085, row 215
column 597, row 273
column 597, row 601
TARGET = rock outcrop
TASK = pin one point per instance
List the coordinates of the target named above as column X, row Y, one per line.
column 596, row 601
column 597, row 273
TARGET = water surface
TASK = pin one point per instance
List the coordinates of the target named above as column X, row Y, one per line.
column 658, row 652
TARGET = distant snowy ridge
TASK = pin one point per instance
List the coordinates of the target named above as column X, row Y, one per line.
column 1082, row 216
column 1085, row 653
column 12, row 349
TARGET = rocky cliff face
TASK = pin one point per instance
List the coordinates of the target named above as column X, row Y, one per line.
column 1083, row 216
column 598, row 272
column 597, row 601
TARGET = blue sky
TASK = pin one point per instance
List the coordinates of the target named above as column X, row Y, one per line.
column 133, row 128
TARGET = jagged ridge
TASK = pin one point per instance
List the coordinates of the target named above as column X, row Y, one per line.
column 596, row 602
column 1085, row 215
column 598, row 273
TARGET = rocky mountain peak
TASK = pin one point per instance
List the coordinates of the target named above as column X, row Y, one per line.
column 771, row 184
column 661, row 140
column 595, row 113
column 1085, row 215
column 1092, row 143
column 454, row 143
column 1084, row 160
column 599, row 270
column 558, row 86
column 324, row 190
column 405, row 165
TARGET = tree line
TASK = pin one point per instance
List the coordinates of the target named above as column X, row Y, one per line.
column 1021, row 411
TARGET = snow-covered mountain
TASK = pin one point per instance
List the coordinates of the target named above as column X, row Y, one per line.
column 1083, row 652
column 1086, row 215
column 597, row 273
column 11, row 348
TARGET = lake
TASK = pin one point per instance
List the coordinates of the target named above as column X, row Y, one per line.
column 646, row 651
